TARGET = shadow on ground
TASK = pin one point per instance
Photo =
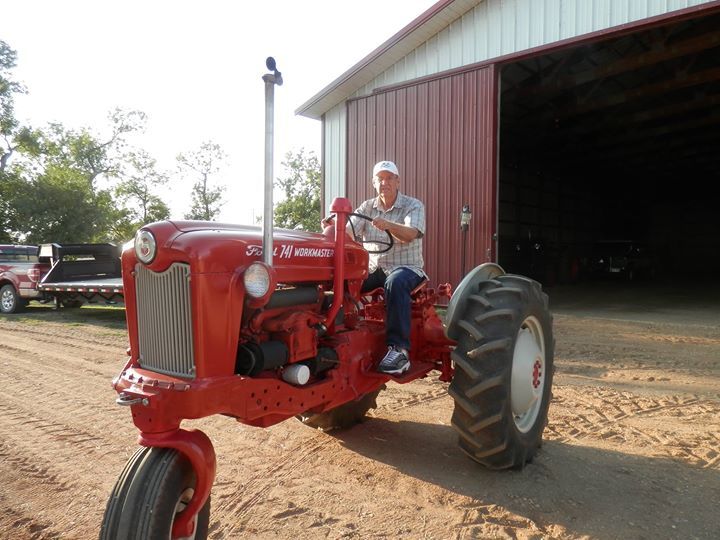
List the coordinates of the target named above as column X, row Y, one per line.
column 584, row 489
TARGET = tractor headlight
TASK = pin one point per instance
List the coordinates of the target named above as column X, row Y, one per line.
column 257, row 280
column 145, row 246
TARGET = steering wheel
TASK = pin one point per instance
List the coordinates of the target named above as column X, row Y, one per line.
column 389, row 244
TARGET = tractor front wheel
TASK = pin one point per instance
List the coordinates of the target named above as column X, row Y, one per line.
column 503, row 371
column 155, row 486
column 344, row 416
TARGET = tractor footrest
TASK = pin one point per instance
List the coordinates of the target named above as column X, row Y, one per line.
column 417, row 371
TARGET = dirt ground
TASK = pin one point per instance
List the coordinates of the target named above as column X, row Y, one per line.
column 632, row 449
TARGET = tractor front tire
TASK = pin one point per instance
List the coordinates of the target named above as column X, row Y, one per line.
column 503, row 371
column 155, row 485
column 344, row 416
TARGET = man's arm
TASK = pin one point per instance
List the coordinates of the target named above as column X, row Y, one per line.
column 401, row 233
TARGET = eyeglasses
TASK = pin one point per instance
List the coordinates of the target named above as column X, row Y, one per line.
column 388, row 180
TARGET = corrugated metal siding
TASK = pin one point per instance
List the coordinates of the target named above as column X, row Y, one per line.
column 442, row 134
column 499, row 27
column 493, row 28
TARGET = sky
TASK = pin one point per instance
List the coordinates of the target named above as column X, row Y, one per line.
column 195, row 69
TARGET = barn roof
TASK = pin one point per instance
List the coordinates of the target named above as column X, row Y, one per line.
column 429, row 23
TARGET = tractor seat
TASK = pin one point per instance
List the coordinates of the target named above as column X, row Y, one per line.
column 420, row 286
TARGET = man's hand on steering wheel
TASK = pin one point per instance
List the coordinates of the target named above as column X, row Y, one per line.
column 380, row 224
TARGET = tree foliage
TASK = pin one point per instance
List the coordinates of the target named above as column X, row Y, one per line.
column 9, row 88
column 137, row 190
column 200, row 165
column 300, row 208
column 59, row 189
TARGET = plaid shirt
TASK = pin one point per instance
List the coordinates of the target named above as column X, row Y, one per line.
column 406, row 211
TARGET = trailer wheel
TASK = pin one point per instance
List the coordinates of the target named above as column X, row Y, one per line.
column 503, row 371
column 344, row 416
column 10, row 301
column 155, row 485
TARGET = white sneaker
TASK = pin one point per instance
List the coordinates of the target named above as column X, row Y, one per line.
column 395, row 361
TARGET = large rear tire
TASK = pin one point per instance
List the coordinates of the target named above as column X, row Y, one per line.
column 155, row 485
column 503, row 371
column 344, row 416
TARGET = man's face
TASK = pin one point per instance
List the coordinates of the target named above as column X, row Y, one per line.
column 386, row 184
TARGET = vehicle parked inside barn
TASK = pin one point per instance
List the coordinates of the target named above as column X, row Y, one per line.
column 627, row 259
column 264, row 325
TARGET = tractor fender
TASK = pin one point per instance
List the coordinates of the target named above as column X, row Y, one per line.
column 468, row 286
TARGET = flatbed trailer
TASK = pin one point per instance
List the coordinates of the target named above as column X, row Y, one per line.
column 83, row 273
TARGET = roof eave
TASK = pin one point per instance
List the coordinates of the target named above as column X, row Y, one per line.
column 429, row 23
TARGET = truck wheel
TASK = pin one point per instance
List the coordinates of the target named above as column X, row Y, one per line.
column 10, row 301
column 155, row 485
column 344, row 416
column 503, row 371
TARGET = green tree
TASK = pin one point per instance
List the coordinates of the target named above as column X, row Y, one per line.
column 9, row 88
column 57, row 194
column 140, row 180
column 201, row 164
column 300, row 208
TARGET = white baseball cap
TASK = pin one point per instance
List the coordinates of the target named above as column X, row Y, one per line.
column 385, row 166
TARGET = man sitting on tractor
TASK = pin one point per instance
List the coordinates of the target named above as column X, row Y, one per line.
column 400, row 269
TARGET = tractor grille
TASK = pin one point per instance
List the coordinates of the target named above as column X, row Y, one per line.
column 165, row 329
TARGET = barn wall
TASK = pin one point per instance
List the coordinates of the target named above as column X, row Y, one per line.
column 442, row 135
column 493, row 28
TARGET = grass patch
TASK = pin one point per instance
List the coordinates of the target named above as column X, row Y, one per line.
column 110, row 317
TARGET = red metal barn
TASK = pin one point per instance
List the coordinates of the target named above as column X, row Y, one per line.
column 564, row 125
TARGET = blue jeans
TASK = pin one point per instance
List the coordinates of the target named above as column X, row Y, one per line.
column 398, row 286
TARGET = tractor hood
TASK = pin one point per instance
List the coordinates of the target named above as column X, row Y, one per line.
column 226, row 248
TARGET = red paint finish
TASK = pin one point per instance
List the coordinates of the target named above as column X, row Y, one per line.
column 442, row 133
column 224, row 317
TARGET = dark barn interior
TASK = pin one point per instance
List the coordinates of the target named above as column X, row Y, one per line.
column 613, row 140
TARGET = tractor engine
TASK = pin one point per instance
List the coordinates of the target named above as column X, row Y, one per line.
column 203, row 304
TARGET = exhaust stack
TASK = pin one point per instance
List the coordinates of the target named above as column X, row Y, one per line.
column 271, row 79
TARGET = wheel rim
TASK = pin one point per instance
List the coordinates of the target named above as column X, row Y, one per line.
column 528, row 374
column 182, row 503
column 7, row 300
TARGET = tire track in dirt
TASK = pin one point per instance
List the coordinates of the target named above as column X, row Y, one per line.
column 52, row 353
column 604, row 414
column 238, row 504
column 89, row 336
column 55, row 427
column 482, row 520
column 413, row 400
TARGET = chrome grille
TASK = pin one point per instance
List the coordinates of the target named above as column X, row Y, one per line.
column 165, row 329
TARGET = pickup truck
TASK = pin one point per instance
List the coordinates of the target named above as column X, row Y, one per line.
column 68, row 275
column 21, row 269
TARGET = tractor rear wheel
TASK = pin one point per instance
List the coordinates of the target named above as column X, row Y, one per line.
column 503, row 371
column 155, row 485
column 344, row 416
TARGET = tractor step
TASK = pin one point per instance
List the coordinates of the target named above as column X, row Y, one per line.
column 417, row 370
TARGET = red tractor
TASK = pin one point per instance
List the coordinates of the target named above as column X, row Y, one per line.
column 264, row 326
